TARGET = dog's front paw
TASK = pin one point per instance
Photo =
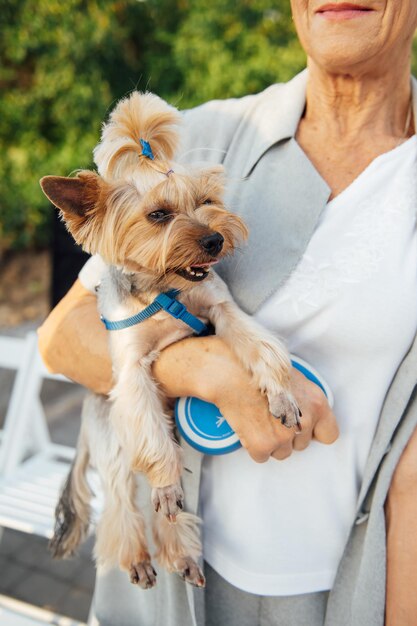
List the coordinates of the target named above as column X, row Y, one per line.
column 284, row 408
column 143, row 574
column 168, row 500
column 189, row 571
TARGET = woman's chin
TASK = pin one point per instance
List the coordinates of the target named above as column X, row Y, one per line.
column 344, row 45
column 336, row 56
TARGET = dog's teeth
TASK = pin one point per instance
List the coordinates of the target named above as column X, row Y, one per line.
column 192, row 273
column 188, row 269
column 199, row 274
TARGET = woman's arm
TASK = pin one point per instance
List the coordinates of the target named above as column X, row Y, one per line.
column 401, row 516
column 73, row 342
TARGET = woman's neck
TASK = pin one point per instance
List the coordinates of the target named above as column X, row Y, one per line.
column 351, row 109
column 349, row 121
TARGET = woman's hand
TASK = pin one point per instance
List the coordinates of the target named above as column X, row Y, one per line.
column 206, row 368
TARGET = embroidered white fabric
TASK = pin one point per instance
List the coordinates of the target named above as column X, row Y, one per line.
column 358, row 254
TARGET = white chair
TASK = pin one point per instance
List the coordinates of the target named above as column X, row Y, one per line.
column 16, row 354
column 32, row 467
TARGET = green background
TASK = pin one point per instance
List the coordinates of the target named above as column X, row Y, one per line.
column 64, row 64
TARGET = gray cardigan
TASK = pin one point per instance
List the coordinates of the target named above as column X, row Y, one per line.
column 275, row 188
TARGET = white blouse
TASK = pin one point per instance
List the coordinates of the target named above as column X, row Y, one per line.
column 349, row 309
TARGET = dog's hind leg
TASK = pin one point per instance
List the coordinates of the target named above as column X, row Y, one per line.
column 72, row 513
column 178, row 546
column 120, row 532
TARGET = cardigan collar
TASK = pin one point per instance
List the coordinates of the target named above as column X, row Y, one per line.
column 274, row 118
column 276, row 115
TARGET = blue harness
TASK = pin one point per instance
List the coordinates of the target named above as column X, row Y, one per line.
column 165, row 301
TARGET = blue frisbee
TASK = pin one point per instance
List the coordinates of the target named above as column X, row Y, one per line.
column 201, row 424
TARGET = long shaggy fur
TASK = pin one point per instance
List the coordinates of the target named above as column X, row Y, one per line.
column 140, row 116
column 150, row 220
column 72, row 513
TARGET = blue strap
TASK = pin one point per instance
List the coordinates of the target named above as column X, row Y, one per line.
column 166, row 301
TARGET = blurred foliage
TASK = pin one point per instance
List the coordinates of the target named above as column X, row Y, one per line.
column 63, row 64
column 228, row 48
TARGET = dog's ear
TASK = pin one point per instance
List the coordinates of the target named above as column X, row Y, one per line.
column 82, row 203
column 74, row 196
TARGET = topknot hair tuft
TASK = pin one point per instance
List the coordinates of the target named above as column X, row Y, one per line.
column 140, row 116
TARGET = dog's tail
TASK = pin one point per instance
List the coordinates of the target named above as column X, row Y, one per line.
column 141, row 129
column 72, row 513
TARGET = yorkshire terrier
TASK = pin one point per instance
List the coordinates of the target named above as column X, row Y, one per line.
column 160, row 227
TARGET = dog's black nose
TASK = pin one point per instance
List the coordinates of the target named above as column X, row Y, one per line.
column 212, row 243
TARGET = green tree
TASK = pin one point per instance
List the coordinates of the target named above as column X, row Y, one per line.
column 62, row 64
column 225, row 48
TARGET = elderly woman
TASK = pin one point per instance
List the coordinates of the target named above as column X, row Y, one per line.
column 324, row 171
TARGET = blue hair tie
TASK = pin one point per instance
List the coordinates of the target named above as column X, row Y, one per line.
column 146, row 149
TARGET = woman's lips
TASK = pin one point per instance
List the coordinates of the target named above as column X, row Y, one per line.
column 342, row 11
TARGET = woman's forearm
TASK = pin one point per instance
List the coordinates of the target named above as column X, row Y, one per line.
column 197, row 366
column 73, row 341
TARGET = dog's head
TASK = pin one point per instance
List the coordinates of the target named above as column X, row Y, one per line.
column 171, row 234
column 148, row 215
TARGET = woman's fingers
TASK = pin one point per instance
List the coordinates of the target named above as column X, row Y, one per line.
column 326, row 429
column 318, row 421
column 321, row 426
column 283, row 451
column 304, row 436
column 264, row 436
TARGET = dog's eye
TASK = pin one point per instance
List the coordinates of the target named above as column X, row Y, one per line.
column 161, row 215
column 203, row 202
